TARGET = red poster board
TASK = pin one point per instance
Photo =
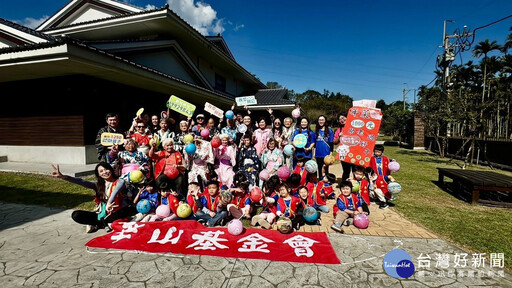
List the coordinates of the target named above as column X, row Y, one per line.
column 359, row 135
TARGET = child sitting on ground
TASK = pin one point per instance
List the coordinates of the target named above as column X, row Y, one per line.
column 193, row 197
column 361, row 186
column 320, row 191
column 240, row 206
column 299, row 169
column 208, row 212
column 378, row 191
column 268, row 213
column 149, row 193
column 347, row 206
column 288, row 205
column 307, row 201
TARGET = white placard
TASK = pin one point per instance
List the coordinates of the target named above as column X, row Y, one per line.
column 246, row 100
column 215, row 111
column 365, row 103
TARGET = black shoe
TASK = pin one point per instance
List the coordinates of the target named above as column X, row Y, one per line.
column 318, row 222
column 383, row 206
column 390, row 204
column 108, row 229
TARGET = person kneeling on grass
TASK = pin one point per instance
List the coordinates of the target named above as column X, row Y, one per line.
column 347, row 206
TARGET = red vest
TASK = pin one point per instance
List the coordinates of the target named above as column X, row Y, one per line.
column 294, row 204
column 239, row 201
column 364, row 191
column 165, row 162
column 303, row 174
column 355, row 201
column 173, row 203
column 211, row 205
column 192, row 203
column 384, row 165
column 315, row 190
column 117, row 201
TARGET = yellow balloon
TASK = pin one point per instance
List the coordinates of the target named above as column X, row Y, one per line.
column 188, row 138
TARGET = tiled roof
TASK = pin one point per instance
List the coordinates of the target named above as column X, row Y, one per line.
column 66, row 40
column 26, row 29
column 273, row 96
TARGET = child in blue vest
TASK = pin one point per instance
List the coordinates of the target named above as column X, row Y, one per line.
column 210, row 201
column 347, row 206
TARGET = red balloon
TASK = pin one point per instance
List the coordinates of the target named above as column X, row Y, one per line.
column 172, row 172
column 256, row 194
column 215, row 142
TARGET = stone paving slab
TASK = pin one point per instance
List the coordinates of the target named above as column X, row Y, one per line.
column 43, row 247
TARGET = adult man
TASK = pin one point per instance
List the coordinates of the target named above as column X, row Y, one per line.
column 112, row 127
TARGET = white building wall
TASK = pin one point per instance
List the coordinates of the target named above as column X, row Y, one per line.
column 50, row 154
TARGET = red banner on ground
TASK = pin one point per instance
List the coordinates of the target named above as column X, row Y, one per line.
column 190, row 237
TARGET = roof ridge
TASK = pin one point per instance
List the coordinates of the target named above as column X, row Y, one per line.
column 26, row 29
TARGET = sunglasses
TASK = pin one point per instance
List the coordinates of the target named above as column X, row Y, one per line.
column 277, row 122
column 141, row 126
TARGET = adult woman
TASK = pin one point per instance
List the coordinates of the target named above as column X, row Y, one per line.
column 288, row 129
column 225, row 160
column 179, row 143
column 230, row 129
column 261, row 136
column 169, row 168
column 130, row 156
column 109, row 197
column 347, row 167
column 272, row 158
column 323, row 144
column 164, row 132
column 277, row 132
column 304, row 128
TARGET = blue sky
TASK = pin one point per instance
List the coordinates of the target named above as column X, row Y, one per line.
column 366, row 49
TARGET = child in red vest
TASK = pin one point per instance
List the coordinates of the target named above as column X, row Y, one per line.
column 347, row 206
column 240, row 206
column 361, row 186
column 269, row 203
column 208, row 211
column 288, row 205
column 306, row 201
column 299, row 169
column 193, row 197
column 379, row 163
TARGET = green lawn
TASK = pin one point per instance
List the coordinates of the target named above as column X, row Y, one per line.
column 476, row 228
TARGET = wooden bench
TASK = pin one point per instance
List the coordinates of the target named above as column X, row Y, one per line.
column 479, row 181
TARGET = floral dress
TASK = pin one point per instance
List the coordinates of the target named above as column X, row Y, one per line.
column 272, row 160
column 225, row 158
column 248, row 158
column 197, row 162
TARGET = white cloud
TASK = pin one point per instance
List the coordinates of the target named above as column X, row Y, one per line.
column 238, row 27
column 150, row 7
column 31, row 22
column 199, row 15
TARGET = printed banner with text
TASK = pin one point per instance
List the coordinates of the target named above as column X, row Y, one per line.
column 190, row 237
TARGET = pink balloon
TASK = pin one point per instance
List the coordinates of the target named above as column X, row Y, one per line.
column 361, row 221
column 163, row 211
column 283, row 172
column 394, row 166
column 205, row 133
column 264, row 175
column 235, row 227
column 296, row 113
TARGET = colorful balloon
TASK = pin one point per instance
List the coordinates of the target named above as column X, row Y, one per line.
column 311, row 166
column 205, row 133
column 361, row 221
column 393, row 166
column 394, row 188
column 288, row 150
column 190, row 148
column 163, row 211
column 230, row 114
column 329, row 160
column 284, row 225
column 296, row 113
column 184, row 210
column 310, row 214
column 172, row 172
column 235, row 227
column 283, row 172
column 300, row 140
column 256, row 194
column 264, row 175
column 129, row 167
column 143, row 206
column 188, row 138
column 215, row 142
column 136, row 176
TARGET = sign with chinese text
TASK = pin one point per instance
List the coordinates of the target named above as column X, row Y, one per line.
column 359, row 135
column 190, row 237
column 109, row 139
column 246, row 100
column 214, row 110
column 181, row 106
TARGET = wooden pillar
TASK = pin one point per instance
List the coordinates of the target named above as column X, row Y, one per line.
column 419, row 132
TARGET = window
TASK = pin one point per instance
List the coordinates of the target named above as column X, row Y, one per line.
column 220, row 83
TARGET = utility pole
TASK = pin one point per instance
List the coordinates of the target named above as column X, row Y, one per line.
column 403, row 93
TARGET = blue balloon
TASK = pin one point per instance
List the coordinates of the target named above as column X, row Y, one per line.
column 288, row 150
column 310, row 214
column 143, row 206
column 190, row 148
column 230, row 114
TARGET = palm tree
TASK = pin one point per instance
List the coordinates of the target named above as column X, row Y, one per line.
column 483, row 48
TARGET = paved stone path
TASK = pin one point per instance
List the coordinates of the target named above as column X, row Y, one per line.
column 43, row 247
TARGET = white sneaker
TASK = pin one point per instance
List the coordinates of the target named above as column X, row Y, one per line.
column 90, row 228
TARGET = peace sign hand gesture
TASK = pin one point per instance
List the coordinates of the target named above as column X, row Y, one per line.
column 56, row 172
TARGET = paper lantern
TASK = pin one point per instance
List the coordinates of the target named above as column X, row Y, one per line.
column 172, row 172
column 394, row 188
column 129, row 167
column 284, row 225
column 300, row 140
column 329, row 160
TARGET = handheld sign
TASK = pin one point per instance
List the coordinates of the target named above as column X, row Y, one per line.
column 213, row 110
column 246, row 100
column 359, row 135
column 300, row 140
column 163, row 115
column 181, row 106
column 109, row 139
column 139, row 112
column 242, row 128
